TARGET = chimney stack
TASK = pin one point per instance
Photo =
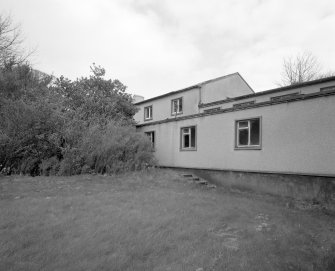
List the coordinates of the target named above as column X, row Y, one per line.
column 138, row 98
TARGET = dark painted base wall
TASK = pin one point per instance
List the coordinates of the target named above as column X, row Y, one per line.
column 321, row 189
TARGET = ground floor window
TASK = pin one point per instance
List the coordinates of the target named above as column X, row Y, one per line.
column 151, row 136
column 248, row 134
column 188, row 138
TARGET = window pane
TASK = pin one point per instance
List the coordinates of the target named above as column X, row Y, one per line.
column 174, row 106
column 243, row 124
column 254, row 132
column 180, row 109
column 193, row 137
column 243, row 137
column 186, row 141
column 148, row 112
column 186, row 130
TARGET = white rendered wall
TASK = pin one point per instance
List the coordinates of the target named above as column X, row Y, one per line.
column 297, row 137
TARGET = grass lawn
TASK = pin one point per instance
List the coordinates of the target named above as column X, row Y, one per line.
column 154, row 220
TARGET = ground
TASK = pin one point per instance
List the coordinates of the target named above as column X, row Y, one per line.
column 155, row 220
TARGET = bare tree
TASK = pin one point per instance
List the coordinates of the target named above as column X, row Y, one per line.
column 302, row 68
column 11, row 50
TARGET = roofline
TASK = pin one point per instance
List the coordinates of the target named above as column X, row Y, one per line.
column 246, row 82
column 270, row 91
column 192, row 87
column 234, row 109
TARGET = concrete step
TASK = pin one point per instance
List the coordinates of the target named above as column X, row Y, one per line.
column 197, row 180
column 202, row 182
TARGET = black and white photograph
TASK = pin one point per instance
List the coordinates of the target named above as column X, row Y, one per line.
column 167, row 135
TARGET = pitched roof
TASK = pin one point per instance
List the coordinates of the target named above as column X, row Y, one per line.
column 275, row 90
column 192, row 87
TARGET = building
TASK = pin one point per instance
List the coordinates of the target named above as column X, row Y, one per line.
column 222, row 124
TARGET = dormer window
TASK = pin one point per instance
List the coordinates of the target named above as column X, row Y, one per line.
column 148, row 113
column 177, row 106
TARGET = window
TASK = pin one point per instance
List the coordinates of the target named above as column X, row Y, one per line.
column 331, row 88
column 248, row 134
column 148, row 113
column 212, row 109
column 151, row 136
column 284, row 97
column 177, row 106
column 188, row 138
column 243, row 104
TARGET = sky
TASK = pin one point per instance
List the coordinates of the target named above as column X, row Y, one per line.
column 158, row 46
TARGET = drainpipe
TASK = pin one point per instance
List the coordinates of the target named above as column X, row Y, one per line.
column 200, row 97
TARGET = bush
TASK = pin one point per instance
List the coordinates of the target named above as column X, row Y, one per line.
column 64, row 127
column 49, row 166
column 29, row 135
column 116, row 148
column 72, row 162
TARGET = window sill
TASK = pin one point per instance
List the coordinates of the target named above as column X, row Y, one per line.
column 247, row 148
column 176, row 114
column 188, row 149
column 147, row 119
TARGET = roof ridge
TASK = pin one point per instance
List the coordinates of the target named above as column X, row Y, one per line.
column 193, row 86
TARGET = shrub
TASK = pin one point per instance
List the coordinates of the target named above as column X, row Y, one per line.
column 29, row 135
column 116, row 148
column 72, row 162
column 49, row 166
column 67, row 127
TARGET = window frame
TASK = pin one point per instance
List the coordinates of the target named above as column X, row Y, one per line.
column 181, row 148
column 182, row 106
column 248, row 147
column 153, row 143
column 146, row 107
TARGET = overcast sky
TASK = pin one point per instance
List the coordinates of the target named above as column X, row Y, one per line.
column 157, row 46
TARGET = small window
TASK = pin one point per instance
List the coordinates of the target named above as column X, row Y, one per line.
column 151, row 136
column 331, row 88
column 177, row 106
column 188, row 138
column 148, row 113
column 245, row 104
column 284, row 97
column 212, row 109
column 248, row 134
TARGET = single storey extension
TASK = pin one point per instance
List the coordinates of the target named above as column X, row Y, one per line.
column 222, row 124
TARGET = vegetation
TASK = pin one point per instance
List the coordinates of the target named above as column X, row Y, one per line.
column 154, row 220
column 302, row 68
column 57, row 126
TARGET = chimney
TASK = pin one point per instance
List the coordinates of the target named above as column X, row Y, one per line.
column 137, row 98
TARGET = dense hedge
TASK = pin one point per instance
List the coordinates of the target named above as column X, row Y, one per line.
column 54, row 126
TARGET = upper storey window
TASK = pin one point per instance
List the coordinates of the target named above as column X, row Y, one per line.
column 177, row 106
column 148, row 113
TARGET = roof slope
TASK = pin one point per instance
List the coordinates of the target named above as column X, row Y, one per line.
column 195, row 86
